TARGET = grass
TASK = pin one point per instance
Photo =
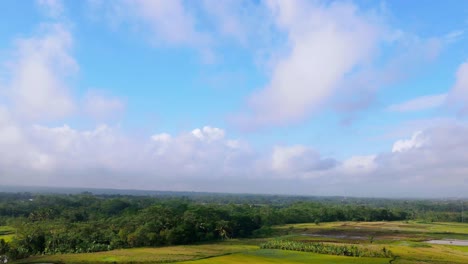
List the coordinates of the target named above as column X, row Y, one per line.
column 146, row 255
column 7, row 233
column 404, row 239
column 286, row 257
column 378, row 232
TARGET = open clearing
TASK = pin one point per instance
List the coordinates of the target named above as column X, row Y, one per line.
column 146, row 255
column 6, row 233
column 285, row 256
column 407, row 240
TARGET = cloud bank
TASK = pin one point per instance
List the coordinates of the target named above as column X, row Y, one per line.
column 430, row 163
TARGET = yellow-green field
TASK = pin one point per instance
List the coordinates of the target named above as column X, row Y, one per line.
column 6, row 233
column 405, row 239
column 147, row 255
column 286, row 257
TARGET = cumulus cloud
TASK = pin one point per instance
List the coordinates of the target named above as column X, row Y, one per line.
column 326, row 43
column 65, row 156
column 204, row 159
column 36, row 88
column 199, row 159
column 38, row 78
column 298, row 160
column 38, row 73
column 17, row 153
column 70, row 149
column 208, row 133
column 204, row 151
column 458, row 95
column 431, row 163
column 416, row 141
column 101, row 106
column 333, row 55
column 9, row 132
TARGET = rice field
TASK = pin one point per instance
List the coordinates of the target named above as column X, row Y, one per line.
column 7, row 233
column 406, row 240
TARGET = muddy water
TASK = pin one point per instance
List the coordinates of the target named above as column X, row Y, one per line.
column 336, row 236
column 453, row 242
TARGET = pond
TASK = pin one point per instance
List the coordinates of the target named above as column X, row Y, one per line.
column 454, row 242
column 337, row 236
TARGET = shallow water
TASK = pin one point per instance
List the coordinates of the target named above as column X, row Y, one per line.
column 336, row 236
column 453, row 242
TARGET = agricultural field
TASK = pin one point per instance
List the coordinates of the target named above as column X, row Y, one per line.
column 407, row 242
column 6, row 233
column 148, row 255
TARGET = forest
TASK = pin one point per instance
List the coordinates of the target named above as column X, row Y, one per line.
column 87, row 222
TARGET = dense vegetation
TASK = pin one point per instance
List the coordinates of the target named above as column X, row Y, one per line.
column 49, row 224
column 330, row 249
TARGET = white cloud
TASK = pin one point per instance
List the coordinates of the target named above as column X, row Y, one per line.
column 434, row 159
column 162, row 23
column 458, row 95
column 163, row 137
column 38, row 79
column 208, row 133
column 69, row 149
column 17, row 153
column 105, row 157
column 405, row 54
column 234, row 20
column 294, row 161
column 9, row 132
column 227, row 14
column 100, row 106
column 169, row 22
column 66, row 156
column 454, row 35
column 416, row 141
column 53, row 8
column 331, row 56
column 326, row 42
column 359, row 164
column 432, row 163
column 419, row 103
column 38, row 73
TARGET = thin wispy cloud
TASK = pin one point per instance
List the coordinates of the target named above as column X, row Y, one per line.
column 419, row 104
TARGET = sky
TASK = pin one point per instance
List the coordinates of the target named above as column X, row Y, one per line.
column 352, row 98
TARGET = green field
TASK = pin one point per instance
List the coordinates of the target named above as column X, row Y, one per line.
column 285, row 256
column 6, row 233
column 148, row 255
column 404, row 239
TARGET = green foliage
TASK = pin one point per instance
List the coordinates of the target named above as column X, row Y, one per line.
column 52, row 224
column 330, row 249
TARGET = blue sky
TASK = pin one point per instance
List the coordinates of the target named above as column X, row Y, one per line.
column 313, row 97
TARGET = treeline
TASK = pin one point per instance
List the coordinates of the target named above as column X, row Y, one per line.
column 49, row 224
